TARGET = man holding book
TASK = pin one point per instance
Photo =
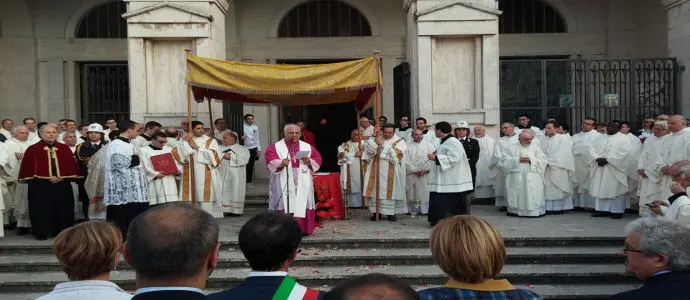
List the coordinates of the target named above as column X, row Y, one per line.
column 161, row 170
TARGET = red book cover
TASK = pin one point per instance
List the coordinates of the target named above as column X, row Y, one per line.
column 164, row 164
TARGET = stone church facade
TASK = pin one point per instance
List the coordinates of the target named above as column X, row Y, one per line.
column 484, row 61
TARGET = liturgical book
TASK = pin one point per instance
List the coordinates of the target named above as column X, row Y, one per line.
column 164, row 164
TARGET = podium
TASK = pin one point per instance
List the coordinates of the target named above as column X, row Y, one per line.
column 329, row 196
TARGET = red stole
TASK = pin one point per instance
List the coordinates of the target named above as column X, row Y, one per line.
column 36, row 162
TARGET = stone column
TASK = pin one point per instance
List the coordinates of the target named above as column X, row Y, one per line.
column 678, row 25
column 159, row 32
column 456, row 58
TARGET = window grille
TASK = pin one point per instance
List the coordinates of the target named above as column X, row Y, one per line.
column 104, row 22
column 529, row 16
column 324, row 18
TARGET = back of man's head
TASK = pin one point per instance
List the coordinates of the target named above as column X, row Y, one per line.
column 372, row 287
column 269, row 240
column 172, row 241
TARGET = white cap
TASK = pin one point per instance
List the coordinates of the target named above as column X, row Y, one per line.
column 95, row 127
column 462, row 124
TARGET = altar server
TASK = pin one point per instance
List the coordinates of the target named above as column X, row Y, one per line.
column 162, row 188
column 418, row 168
column 450, row 183
column 233, row 174
column 509, row 138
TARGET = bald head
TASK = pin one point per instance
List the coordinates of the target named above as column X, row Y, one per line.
column 676, row 123
column 172, row 240
column 525, row 137
column 372, row 287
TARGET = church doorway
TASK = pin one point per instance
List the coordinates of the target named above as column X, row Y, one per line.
column 330, row 123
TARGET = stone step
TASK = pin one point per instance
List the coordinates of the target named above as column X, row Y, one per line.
column 27, row 246
column 329, row 276
column 349, row 257
column 560, row 292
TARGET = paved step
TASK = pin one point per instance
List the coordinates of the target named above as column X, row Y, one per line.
column 30, row 246
column 329, row 276
column 345, row 257
column 560, row 292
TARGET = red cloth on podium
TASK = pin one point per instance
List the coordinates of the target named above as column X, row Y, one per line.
column 329, row 197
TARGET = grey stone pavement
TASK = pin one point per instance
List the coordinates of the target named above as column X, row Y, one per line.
column 571, row 224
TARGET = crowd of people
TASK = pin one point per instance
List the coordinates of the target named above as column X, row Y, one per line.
column 183, row 239
column 55, row 174
column 529, row 172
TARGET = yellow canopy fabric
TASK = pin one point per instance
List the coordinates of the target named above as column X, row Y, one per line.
column 351, row 81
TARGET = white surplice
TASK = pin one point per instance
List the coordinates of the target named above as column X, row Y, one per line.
column 203, row 185
column 582, row 141
column 486, row 179
column 160, row 190
column 676, row 147
column 8, row 163
column 678, row 211
column 633, row 176
column 122, row 184
column 416, row 159
column 496, row 171
column 524, row 179
column 140, row 141
column 609, row 183
column 391, row 176
column 350, row 172
column 452, row 174
column 233, row 173
column 20, row 191
column 559, row 174
column 650, row 162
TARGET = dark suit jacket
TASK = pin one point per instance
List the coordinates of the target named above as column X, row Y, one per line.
column 170, row 295
column 253, row 288
column 671, row 286
column 472, row 150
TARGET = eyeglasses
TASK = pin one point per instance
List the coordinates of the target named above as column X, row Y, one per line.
column 626, row 249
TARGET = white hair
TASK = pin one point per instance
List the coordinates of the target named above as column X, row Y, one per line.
column 230, row 132
column 662, row 236
column 49, row 125
column 527, row 133
column 663, row 123
column 288, row 125
column 16, row 129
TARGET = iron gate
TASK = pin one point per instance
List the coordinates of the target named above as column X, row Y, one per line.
column 570, row 90
column 233, row 116
column 104, row 92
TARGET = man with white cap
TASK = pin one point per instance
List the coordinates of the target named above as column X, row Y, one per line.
column 95, row 141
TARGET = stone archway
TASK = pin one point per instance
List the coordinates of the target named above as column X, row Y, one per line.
column 359, row 5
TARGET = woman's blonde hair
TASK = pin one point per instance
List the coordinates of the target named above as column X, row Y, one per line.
column 88, row 249
column 468, row 249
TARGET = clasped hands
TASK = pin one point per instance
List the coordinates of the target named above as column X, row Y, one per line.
column 601, row 161
column 524, row 159
column 54, row 180
column 676, row 188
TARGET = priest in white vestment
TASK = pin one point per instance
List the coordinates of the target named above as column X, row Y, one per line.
column 291, row 164
column 649, row 165
column 19, row 210
column 677, row 207
column 633, row 176
column 350, row 159
column 509, row 138
column 233, row 173
column 560, row 170
column 365, row 128
column 385, row 150
column 486, row 177
column 201, row 183
column 676, row 148
column 582, row 141
column 162, row 188
column 523, row 164
column 450, row 181
column 609, row 171
column 8, row 163
column 417, row 169
column 429, row 135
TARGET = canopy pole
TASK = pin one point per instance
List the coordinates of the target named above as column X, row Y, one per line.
column 189, row 132
column 210, row 119
column 360, row 144
column 378, row 151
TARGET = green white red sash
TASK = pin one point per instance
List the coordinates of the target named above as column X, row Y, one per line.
column 289, row 289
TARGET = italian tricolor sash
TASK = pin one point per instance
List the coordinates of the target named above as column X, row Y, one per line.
column 289, row 289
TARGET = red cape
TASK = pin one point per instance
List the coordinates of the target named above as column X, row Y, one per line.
column 36, row 162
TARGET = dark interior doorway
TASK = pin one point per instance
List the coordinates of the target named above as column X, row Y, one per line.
column 340, row 120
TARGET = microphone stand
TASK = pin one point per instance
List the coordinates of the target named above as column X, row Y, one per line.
column 287, row 173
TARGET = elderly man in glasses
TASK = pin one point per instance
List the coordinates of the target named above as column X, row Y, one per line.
column 657, row 252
